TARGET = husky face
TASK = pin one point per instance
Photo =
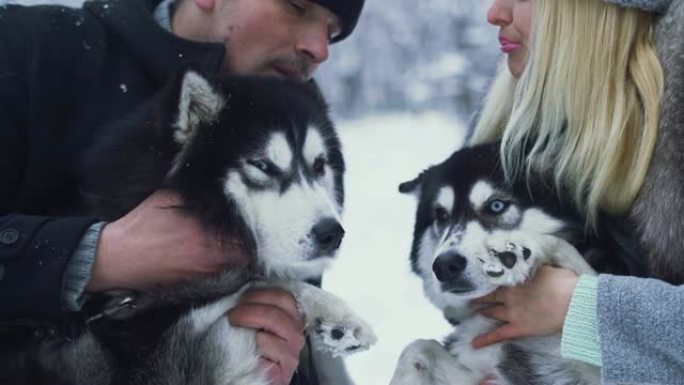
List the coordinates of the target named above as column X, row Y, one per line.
column 268, row 154
column 286, row 194
column 464, row 204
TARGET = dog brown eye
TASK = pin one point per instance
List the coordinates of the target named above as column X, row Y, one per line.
column 441, row 214
column 262, row 165
column 319, row 165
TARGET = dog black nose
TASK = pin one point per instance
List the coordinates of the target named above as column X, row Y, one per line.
column 328, row 234
column 449, row 266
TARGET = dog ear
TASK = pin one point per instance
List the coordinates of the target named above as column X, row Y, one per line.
column 198, row 102
column 412, row 186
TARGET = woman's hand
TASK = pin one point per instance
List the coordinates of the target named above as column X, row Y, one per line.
column 537, row 307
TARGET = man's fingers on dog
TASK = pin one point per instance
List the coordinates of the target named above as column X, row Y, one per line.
column 272, row 368
column 274, row 297
column 277, row 350
column 274, row 372
column 503, row 333
column 279, row 357
column 268, row 318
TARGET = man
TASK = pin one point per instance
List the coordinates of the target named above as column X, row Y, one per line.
column 66, row 72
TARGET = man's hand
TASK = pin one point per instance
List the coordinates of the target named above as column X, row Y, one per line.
column 273, row 314
column 537, row 307
column 157, row 243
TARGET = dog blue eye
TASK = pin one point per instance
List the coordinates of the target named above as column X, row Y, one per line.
column 497, row 206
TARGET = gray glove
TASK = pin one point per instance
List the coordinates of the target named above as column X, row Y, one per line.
column 659, row 6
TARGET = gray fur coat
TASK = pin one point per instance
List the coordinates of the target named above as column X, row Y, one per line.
column 658, row 212
column 647, row 5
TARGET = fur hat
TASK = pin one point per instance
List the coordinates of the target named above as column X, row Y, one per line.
column 347, row 11
column 659, row 6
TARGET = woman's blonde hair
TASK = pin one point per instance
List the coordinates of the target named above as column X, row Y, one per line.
column 585, row 110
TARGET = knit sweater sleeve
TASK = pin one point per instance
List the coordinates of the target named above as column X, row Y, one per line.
column 580, row 339
column 641, row 327
column 79, row 269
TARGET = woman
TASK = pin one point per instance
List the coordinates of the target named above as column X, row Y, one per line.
column 579, row 104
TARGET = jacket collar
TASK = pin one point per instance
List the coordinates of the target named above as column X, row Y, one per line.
column 160, row 52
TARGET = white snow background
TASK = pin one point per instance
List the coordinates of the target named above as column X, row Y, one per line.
column 372, row 271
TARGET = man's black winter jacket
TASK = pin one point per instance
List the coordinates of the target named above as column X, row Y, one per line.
column 63, row 73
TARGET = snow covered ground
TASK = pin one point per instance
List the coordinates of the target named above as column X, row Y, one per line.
column 372, row 270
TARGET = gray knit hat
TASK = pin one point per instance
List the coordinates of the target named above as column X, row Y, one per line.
column 659, row 6
column 347, row 10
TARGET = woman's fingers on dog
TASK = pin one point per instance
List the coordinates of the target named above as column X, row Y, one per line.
column 495, row 297
column 505, row 332
column 498, row 312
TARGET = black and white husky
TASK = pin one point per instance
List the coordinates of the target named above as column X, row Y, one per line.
column 474, row 233
column 257, row 157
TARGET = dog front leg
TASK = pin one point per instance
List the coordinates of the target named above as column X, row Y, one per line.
column 334, row 328
column 330, row 370
column 513, row 257
column 427, row 362
column 566, row 255
column 228, row 354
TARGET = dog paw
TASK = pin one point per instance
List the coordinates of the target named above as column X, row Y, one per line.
column 332, row 325
column 343, row 337
column 510, row 258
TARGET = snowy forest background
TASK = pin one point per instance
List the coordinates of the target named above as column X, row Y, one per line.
column 413, row 55
column 405, row 55
column 401, row 90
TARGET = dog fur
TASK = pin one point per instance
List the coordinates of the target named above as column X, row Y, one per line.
column 474, row 233
column 257, row 158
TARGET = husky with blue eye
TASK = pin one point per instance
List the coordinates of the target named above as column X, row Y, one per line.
column 256, row 157
column 474, row 233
